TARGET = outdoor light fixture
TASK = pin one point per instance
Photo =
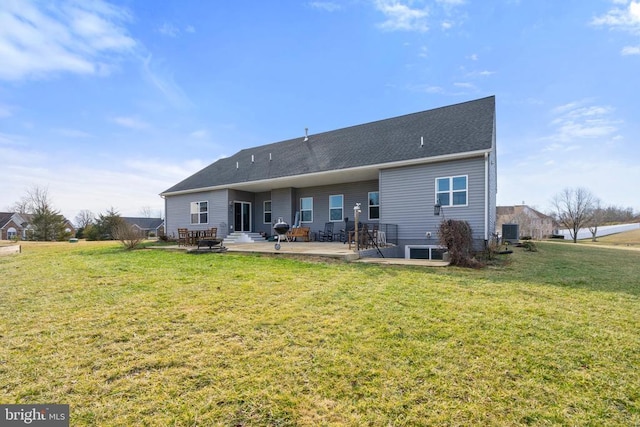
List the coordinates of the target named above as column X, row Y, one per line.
column 356, row 213
column 436, row 209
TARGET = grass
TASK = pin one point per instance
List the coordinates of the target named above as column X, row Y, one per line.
column 628, row 238
column 165, row 338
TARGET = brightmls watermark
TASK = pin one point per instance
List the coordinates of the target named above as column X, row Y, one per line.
column 34, row 415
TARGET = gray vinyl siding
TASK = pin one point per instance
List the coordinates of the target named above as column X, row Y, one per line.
column 282, row 205
column 259, row 225
column 178, row 212
column 352, row 192
column 407, row 197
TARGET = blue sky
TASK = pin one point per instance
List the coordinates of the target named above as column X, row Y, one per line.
column 107, row 104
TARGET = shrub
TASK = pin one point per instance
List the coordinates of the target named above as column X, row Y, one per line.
column 528, row 245
column 457, row 237
column 129, row 236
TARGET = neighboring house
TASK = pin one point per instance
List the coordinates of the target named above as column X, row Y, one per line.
column 12, row 226
column 397, row 169
column 148, row 226
column 18, row 225
column 530, row 222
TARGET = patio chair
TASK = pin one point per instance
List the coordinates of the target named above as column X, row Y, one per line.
column 213, row 233
column 326, row 235
column 183, row 236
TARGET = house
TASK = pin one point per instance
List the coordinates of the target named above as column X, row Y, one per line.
column 397, row 169
column 530, row 222
column 14, row 225
column 147, row 226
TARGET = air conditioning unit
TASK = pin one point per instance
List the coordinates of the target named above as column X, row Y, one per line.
column 510, row 233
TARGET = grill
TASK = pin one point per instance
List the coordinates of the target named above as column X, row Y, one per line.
column 281, row 228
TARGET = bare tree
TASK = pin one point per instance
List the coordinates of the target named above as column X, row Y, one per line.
column 129, row 236
column 574, row 208
column 145, row 211
column 84, row 218
column 597, row 218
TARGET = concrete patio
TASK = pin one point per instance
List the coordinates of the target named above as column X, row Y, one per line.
column 312, row 249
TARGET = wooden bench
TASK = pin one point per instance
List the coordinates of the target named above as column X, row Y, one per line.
column 302, row 232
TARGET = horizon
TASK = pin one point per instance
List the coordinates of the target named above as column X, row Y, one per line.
column 109, row 103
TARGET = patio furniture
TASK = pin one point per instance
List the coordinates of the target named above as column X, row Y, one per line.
column 302, row 232
column 183, row 236
column 327, row 234
column 365, row 238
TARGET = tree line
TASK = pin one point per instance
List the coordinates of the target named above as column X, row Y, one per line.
column 578, row 208
column 47, row 223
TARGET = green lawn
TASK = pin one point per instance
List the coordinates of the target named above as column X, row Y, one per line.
column 166, row 338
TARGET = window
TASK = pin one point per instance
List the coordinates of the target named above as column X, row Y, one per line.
column 374, row 205
column 267, row 212
column 336, row 207
column 306, row 209
column 199, row 212
column 452, row 191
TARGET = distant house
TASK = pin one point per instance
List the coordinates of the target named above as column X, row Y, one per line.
column 14, row 225
column 147, row 226
column 397, row 169
column 531, row 223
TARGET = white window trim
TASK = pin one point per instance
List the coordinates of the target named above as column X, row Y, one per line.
column 373, row 206
column 264, row 211
column 198, row 212
column 407, row 250
column 451, row 191
column 341, row 208
column 301, row 210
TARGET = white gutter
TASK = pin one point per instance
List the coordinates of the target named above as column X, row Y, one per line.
column 486, row 196
column 317, row 175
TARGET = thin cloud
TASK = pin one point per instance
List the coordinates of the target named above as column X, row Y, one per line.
column 163, row 81
column 625, row 18
column 131, row 123
column 199, row 134
column 5, row 111
column 170, row 30
column 577, row 121
column 71, row 133
column 630, row 50
column 326, row 6
column 77, row 37
column 401, row 17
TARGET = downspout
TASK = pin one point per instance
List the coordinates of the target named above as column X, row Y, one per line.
column 486, row 197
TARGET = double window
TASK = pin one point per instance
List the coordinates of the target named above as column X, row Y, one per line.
column 452, row 191
column 336, row 207
column 267, row 212
column 374, row 205
column 306, row 209
column 199, row 212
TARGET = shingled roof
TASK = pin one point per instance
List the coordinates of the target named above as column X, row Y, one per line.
column 456, row 129
column 144, row 223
